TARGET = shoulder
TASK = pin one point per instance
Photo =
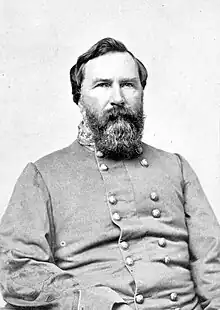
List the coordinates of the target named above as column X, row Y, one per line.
column 63, row 159
column 158, row 154
column 161, row 159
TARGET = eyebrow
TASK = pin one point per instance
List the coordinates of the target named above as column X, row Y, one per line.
column 123, row 80
column 98, row 80
column 129, row 80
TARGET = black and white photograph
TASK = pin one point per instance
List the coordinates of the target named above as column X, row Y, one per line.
column 110, row 155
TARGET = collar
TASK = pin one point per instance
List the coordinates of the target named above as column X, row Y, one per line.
column 85, row 137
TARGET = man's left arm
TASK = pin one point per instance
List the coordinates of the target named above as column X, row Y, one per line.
column 204, row 239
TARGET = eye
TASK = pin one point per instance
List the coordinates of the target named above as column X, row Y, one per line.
column 127, row 84
column 103, row 84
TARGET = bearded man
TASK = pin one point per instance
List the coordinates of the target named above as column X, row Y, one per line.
column 110, row 222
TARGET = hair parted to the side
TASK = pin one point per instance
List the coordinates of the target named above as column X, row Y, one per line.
column 102, row 47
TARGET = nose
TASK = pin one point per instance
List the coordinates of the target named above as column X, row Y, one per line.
column 117, row 96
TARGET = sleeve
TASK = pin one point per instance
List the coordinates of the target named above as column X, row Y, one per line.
column 29, row 276
column 204, row 239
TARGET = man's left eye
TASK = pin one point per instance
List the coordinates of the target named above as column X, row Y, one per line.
column 127, row 84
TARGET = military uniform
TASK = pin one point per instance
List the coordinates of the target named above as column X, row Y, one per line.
column 85, row 232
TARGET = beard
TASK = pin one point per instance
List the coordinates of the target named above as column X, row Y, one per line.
column 117, row 133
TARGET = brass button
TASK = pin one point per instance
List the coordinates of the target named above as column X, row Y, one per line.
column 139, row 299
column 103, row 167
column 154, row 196
column 162, row 242
column 156, row 213
column 99, row 154
column 124, row 245
column 129, row 261
column 173, row 296
column 112, row 199
column 167, row 260
column 116, row 216
column 144, row 162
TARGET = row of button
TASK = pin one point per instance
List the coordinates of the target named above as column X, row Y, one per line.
column 104, row 167
column 161, row 242
column 155, row 213
column 125, row 246
column 113, row 200
column 140, row 298
column 143, row 162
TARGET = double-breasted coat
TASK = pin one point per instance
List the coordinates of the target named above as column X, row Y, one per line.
column 85, row 232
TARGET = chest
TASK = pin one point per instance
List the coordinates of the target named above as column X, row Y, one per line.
column 86, row 201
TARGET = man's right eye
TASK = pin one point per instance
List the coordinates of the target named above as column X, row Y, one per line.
column 103, row 84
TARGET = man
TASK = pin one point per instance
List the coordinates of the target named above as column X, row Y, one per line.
column 110, row 222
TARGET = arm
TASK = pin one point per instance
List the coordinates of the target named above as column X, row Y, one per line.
column 28, row 275
column 204, row 240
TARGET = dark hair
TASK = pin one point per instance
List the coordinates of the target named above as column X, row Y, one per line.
column 102, row 47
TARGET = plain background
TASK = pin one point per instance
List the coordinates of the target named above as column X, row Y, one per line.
column 177, row 40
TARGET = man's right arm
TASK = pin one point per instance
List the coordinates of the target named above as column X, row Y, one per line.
column 28, row 275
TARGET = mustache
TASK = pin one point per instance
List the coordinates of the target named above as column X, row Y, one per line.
column 120, row 113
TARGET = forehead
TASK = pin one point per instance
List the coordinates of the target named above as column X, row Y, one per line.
column 111, row 65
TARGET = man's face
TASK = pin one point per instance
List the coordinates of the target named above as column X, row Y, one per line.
column 112, row 97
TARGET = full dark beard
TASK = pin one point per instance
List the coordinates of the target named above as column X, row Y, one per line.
column 118, row 132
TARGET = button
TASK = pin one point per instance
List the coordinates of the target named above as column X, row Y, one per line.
column 156, row 213
column 154, row 196
column 167, row 259
column 103, row 167
column 129, row 261
column 144, row 162
column 162, row 242
column 62, row 243
column 173, row 296
column 116, row 216
column 139, row 299
column 124, row 245
column 112, row 199
column 99, row 154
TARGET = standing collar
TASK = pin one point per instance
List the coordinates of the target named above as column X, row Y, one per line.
column 85, row 136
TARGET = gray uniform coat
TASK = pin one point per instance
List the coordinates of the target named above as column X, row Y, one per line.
column 86, row 232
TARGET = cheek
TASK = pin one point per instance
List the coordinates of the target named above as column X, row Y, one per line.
column 96, row 99
column 133, row 97
column 92, row 103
